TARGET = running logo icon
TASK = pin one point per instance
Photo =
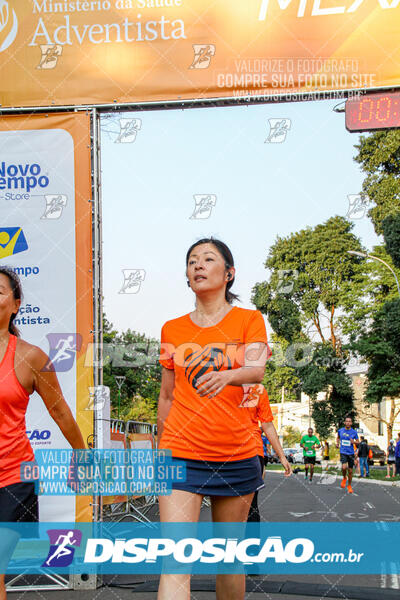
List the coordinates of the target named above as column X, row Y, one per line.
column 12, row 241
column 55, row 204
column 62, row 547
column 278, row 129
column 128, row 130
column 203, row 205
column 8, row 25
column 63, row 348
column 50, row 56
column 358, row 204
column 132, row 280
column 202, row 56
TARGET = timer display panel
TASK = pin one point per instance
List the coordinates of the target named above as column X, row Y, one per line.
column 373, row 111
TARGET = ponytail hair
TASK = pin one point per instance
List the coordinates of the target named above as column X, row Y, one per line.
column 228, row 258
column 16, row 289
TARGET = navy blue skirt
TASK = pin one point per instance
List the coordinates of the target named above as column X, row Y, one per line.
column 226, row 478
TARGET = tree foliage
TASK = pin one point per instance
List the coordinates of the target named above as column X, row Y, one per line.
column 311, row 283
column 318, row 273
column 379, row 157
column 134, row 356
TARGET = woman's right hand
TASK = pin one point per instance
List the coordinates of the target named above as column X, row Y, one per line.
column 286, row 465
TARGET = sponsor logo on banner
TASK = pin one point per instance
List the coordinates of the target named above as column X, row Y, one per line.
column 203, row 205
column 39, row 436
column 128, row 130
column 55, row 204
column 63, row 348
column 22, row 177
column 12, row 241
column 132, row 280
column 278, row 129
column 203, row 54
column 50, row 55
column 8, row 24
column 62, row 547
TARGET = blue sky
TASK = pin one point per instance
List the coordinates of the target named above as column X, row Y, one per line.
column 263, row 190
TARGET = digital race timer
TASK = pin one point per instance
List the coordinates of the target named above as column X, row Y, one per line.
column 373, row 111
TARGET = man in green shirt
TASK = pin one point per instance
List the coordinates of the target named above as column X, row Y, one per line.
column 309, row 443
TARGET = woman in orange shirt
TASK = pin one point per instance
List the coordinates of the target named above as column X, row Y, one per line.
column 207, row 356
column 21, row 373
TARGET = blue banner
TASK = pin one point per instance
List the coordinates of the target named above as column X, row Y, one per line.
column 274, row 548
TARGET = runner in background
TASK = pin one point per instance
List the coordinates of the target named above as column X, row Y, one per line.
column 391, row 459
column 257, row 402
column 346, row 436
column 356, row 460
column 309, row 443
column 326, row 451
column 363, row 453
column 21, row 374
column 266, row 447
column 397, row 456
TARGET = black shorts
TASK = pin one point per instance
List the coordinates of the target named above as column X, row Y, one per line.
column 391, row 461
column 309, row 460
column 19, row 503
column 347, row 458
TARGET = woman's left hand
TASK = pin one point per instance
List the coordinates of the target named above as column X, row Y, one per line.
column 212, row 383
column 286, row 465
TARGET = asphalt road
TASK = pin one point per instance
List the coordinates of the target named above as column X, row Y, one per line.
column 283, row 499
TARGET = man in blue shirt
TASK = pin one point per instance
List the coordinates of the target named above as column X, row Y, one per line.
column 397, row 456
column 346, row 438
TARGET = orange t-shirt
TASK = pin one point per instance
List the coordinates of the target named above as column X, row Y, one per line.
column 257, row 402
column 199, row 427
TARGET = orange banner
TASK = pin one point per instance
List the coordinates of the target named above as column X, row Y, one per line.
column 78, row 52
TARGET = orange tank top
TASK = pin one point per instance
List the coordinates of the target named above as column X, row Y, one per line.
column 15, row 447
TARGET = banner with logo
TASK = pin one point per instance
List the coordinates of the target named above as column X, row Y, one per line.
column 212, row 548
column 46, row 237
column 114, row 51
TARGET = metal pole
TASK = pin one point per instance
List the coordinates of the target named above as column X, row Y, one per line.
column 390, row 269
column 97, row 290
column 217, row 101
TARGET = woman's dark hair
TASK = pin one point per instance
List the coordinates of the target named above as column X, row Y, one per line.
column 228, row 258
column 17, row 293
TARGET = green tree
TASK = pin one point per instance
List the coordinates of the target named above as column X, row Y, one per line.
column 134, row 356
column 381, row 347
column 291, row 436
column 310, row 285
column 319, row 272
column 391, row 233
column 379, row 157
column 373, row 320
column 279, row 375
column 141, row 409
